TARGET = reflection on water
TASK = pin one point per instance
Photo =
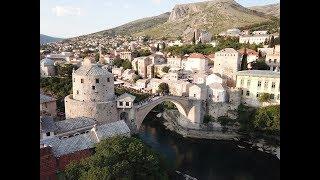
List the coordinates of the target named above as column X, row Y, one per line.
column 209, row 159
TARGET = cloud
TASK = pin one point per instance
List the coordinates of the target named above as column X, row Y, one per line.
column 157, row 1
column 126, row 6
column 66, row 11
column 108, row 4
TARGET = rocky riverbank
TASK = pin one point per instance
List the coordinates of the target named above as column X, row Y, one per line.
column 175, row 123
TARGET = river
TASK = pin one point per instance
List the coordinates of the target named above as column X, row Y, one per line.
column 208, row 159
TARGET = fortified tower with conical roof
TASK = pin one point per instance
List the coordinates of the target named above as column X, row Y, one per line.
column 92, row 93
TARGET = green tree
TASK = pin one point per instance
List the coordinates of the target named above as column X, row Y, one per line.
column 119, row 158
column 271, row 42
column 163, row 88
column 259, row 65
column 97, row 57
column 207, row 118
column 244, row 63
column 65, row 70
column 264, row 97
column 163, row 45
column 165, row 69
column 126, row 64
column 158, row 47
column 194, row 38
column 179, row 38
column 267, row 118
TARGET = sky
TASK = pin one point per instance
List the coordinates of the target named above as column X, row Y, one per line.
column 70, row 18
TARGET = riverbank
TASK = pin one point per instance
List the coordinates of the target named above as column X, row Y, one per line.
column 172, row 122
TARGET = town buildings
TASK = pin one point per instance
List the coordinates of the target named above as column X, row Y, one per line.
column 227, row 62
column 196, row 62
column 47, row 67
column 254, row 39
column 255, row 82
column 48, row 105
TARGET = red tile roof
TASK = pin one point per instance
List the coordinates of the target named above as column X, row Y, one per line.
column 211, row 56
column 197, row 55
column 249, row 51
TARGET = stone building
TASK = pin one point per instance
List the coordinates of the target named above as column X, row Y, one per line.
column 227, row 62
column 48, row 105
column 174, row 62
column 93, row 94
column 198, row 91
column 214, row 78
column 254, row 82
column 196, row 62
column 217, row 92
column 273, row 61
column 254, row 39
column 127, row 55
column 142, row 83
column 140, row 64
column 47, row 67
column 252, row 55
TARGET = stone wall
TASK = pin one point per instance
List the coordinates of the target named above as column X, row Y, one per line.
column 218, row 109
column 103, row 112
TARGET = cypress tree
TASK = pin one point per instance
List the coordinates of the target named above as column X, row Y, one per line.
column 244, row 60
column 194, row 38
column 271, row 43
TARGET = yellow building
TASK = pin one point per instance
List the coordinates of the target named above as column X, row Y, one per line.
column 254, row 82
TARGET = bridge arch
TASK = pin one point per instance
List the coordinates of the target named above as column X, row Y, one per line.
column 143, row 111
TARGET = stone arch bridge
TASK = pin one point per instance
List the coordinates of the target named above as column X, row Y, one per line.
column 192, row 109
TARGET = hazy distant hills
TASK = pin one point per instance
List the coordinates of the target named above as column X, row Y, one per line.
column 47, row 39
column 137, row 25
column 215, row 16
column 271, row 9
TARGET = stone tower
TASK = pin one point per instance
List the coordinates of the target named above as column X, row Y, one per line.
column 92, row 83
column 93, row 94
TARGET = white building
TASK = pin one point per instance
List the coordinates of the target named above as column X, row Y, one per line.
column 259, row 32
column 227, row 62
column 93, row 94
column 214, row 78
column 142, row 83
column 47, row 67
column 125, row 101
column 254, row 82
column 197, row 91
column 175, row 43
column 196, row 62
column 217, row 92
column 174, row 62
column 254, row 39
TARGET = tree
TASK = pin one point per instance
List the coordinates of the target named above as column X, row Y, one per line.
column 267, row 118
column 119, row 158
column 163, row 88
column 264, row 97
column 194, row 38
column 259, row 65
column 163, row 45
column 65, row 70
column 244, row 63
column 158, row 47
column 165, row 69
column 179, row 38
column 126, row 64
column 207, row 118
column 271, row 42
column 97, row 57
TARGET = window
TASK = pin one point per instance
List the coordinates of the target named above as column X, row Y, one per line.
column 81, row 80
column 269, row 60
column 120, row 103
column 241, row 82
column 74, row 79
column 93, row 87
column 108, row 79
column 248, row 83
column 48, row 134
column 258, row 95
column 259, row 83
column 273, row 85
column 127, row 103
column 278, row 97
column 241, row 92
column 194, row 95
column 97, row 81
column 77, row 92
column 248, row 93
column 275, row 60
column 266, row 84
column 271, row 96
column 45, row 105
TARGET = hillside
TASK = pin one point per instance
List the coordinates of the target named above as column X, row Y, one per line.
column 137, row 25
column 47, row 39
column 271, row 9
column 214, row 16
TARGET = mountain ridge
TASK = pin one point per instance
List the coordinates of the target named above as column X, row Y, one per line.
column 48, row 39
